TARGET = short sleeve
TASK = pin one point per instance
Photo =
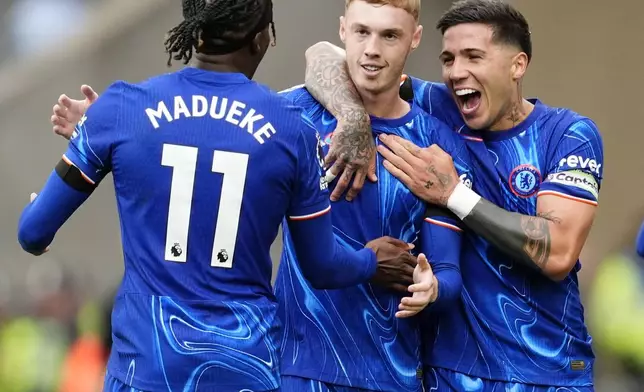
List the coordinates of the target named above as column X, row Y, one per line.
column 575, row 170
column 90, row 147
column 311, row 195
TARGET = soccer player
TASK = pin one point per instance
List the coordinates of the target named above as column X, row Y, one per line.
column 351, row 339
column 206, row 164
column 520, row 325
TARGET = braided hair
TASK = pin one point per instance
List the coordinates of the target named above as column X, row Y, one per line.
column 217, row 27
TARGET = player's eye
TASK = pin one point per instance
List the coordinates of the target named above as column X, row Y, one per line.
column 390, row 37
column 362, row 32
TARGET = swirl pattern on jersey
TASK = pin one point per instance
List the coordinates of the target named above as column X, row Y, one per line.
column 190, row 348
column 512, row 325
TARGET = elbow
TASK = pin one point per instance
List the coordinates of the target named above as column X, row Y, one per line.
column 31, row 241
column 320, row 280
column 315, row 49
column 559, row 267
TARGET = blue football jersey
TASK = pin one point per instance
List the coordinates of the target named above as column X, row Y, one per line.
column 351, row 337
column 515, row 326
column 205, row 166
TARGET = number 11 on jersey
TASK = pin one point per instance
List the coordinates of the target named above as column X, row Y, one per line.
column 233, row 166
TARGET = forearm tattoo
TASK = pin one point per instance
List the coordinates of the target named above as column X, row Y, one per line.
column 328, row 81
column 526, row 238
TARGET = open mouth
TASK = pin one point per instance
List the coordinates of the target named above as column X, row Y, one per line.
column 469, row 100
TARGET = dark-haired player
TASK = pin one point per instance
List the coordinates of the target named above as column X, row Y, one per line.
column 521, row 323
column 206, row 164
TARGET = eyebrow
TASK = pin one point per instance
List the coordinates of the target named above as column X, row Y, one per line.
column 393, row 30
column 446, row 53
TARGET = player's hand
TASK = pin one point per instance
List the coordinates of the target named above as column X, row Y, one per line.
column 424, row 289
column 68, row 112
column 33, row 197
column 352, row 155
column 395, row 263
column 428, row 172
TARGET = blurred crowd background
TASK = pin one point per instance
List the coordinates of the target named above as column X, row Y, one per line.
column 54, row 310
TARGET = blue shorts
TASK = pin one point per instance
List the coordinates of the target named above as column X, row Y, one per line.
column 114, row 385
column 299, row 384
column 442, row 380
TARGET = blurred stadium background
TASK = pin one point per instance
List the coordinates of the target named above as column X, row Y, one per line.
column 588, row 56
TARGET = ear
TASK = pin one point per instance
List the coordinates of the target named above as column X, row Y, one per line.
column 261, row 41
column 418, row 34
column 519, row 66
column 343, row 32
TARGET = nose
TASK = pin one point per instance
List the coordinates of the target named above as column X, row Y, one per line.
column 372, row 47
column 458, row 70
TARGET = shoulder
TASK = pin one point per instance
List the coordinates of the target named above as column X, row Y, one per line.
column 426, row 85
column 563, row 123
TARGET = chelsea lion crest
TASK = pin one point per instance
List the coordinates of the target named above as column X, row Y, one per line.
column 525, row 180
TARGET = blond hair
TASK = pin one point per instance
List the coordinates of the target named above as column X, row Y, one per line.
column 411, row 6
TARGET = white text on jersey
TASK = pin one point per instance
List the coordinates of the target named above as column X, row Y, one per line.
column 218, row 109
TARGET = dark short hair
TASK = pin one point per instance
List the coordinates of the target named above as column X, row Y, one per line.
column 508, row 24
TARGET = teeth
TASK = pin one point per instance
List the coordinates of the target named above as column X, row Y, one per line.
column 371, row 67
column 465, row 91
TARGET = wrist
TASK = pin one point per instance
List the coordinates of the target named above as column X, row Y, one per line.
column 372, row 265
column 353, row 115
column 434, row 295
column 462, row 200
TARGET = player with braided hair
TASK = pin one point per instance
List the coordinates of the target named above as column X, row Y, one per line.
column 206, row 165
column 217, row 27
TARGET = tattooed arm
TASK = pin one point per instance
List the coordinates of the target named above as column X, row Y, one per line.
column 549, row 242
column 352, row 146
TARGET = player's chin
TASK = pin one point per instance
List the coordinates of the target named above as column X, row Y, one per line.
column 476, row 123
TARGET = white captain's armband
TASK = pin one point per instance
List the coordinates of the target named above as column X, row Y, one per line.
column 581, row 180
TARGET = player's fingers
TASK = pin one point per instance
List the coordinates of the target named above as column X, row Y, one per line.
column 63, row 131
column 394, row 159
column 371, row 175
column 421, row 287
column 329, row 159
column 436, row 149
column 32, row 197
column 407, row 145
column 422, row 262
column 343, row 183
column 399, row 243
column 405, row 314
column 356, row 185
column 407, row 275
column 398, row 287
column 61, row 122
column 89, row 93
column 414, row 303
column 332, row 173
column 395, row 144
column 399, row 174
column 65, row 101
column 61, row 112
